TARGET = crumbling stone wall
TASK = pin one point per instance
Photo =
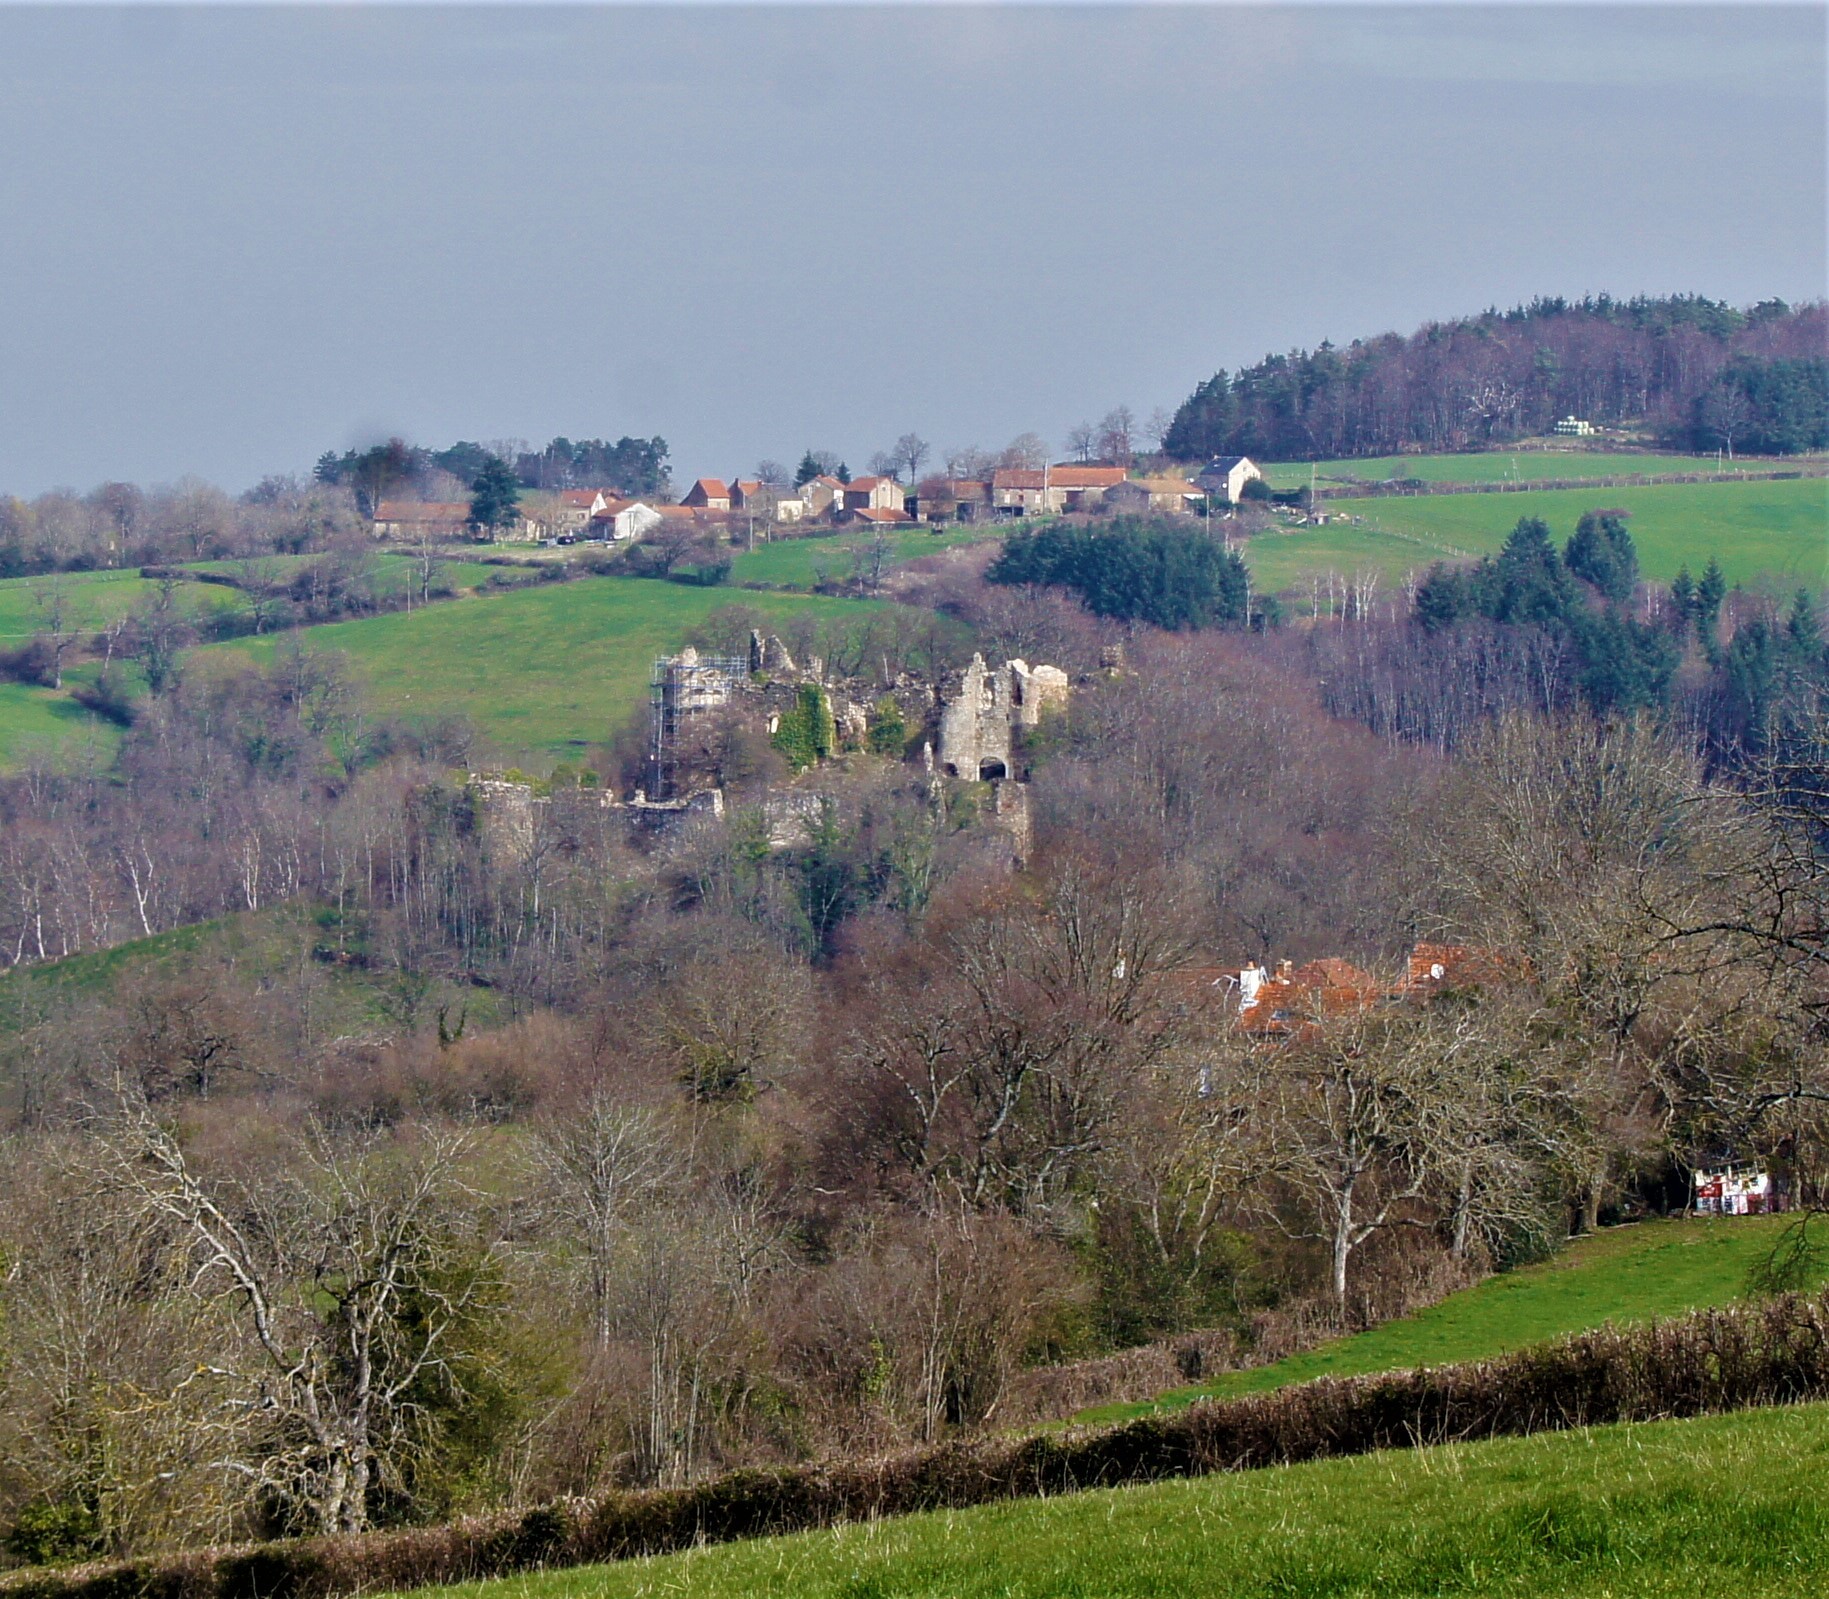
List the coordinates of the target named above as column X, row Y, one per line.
column 983, row 714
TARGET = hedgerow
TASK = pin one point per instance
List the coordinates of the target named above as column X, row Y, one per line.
column 1774, row 1352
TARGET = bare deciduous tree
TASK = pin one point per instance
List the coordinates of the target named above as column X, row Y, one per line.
column 344, row 1279
column 605, row 1164
column 910, row 450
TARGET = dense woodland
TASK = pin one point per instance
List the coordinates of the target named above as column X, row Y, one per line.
column 1695, row 372
column 649, row 1155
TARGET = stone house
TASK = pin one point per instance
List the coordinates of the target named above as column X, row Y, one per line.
column 1165, row 496
column 707, row 494
column 767, row 502
column 410, row 519
column 1225, row 476
column 1052, row 490
column 874, row 494
column 944, row 499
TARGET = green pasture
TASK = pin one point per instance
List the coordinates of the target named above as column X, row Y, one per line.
column 541, row 671
column 1638, row 1273
column 91, row 600
column 800, row 562
column 1283, row 560
column 1522, row 466
column 394, row 572
column 1773, row 535
column 1668, row 1510
column 1775, row 530
column 43, row 724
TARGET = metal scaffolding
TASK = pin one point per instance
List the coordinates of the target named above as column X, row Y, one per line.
column 681, row 688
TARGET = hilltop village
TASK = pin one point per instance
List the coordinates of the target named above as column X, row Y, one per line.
column 740, row 507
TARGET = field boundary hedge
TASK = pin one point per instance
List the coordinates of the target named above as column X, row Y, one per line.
column 1770, row 1353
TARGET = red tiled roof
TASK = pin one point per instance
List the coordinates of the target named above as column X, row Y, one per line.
column 1163, row 485
column 713, row 488
column 1060, row 477
column 583, row 498
column 1292, row 1003
column 880, row 513
column 1434, row 967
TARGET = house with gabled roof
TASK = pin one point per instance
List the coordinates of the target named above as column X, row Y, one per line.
column 1165, row 496
column 1051, row 490
column 707, row 494
column 770, row 502
column 822, row 494
column 875, row 494
column 399, row 519
column 622, row 520
column 1226, row 476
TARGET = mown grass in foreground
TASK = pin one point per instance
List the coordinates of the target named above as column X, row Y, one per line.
column 1720, row 1505
column 1624, row 1275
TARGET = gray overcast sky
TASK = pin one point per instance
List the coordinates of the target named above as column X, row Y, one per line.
column 232, row 238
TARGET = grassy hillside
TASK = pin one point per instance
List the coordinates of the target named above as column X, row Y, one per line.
column 1780, row 529
column 1774, row 534
column 40, row 723
column 1729, row 1504
column 93, row 599
column 797, row 563
column 1625, row 1274
column 1499, row 466
column 542, row 671
column 37, row 722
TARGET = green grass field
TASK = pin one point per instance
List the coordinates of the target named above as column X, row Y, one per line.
column 544, row 671
column 93, row 599
column 1524, row 466
column 1284, row 562
column 1772, row 535
column 797, row 563
column 1717, row 1505
column 1775, row 530
column 394, row 572
column 42, row 724
column 1624, row 1274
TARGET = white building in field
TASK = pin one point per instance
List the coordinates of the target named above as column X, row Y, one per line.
column 622, row 520
column 1226, row 476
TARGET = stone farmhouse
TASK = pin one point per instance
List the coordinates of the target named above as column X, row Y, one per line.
column 412, row 519
column 1225, row 476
